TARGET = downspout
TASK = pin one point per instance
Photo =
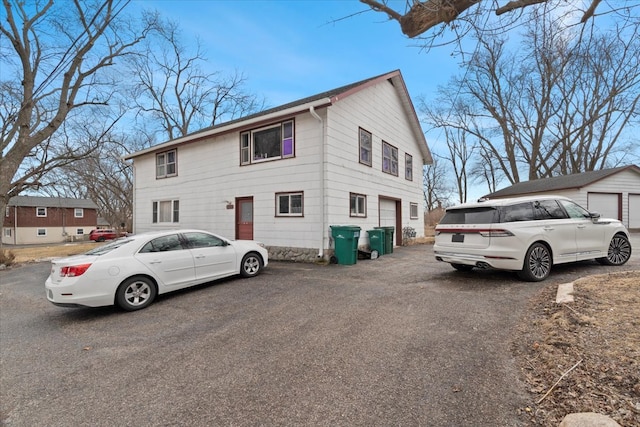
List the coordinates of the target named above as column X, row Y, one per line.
column 312, row 111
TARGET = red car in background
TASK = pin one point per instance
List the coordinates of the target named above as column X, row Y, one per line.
column 100, row 235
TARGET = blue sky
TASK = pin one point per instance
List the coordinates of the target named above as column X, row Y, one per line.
column 290, row 49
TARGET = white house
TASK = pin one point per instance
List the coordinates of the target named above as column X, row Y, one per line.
column 613, row 193
column 349, row 156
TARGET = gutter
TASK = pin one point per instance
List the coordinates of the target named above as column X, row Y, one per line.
column 231, row 126
column 312, row 111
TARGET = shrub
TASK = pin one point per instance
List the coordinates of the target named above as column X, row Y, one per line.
column 6, row 257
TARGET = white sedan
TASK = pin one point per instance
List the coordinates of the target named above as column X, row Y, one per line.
column 131, row 271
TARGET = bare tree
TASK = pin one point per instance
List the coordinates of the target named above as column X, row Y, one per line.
column 103, row 177
column 435, row 185
column 484, row 170
column 460, row 17
column 56, row 69
column 174, row 90
column 450, row 115
column 560, row 104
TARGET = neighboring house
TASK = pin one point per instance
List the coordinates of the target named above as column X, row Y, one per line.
column 30, row 219
column 349, row 156
column 613, row 193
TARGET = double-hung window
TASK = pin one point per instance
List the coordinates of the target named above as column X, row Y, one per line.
column 78, row 213
column 289, row 204
column 358, row 205
column 166, row 164
column 389, row 159
column 408, row 167
column 267, row 143
column 41, row 212
column 365, row 147
column 413, row 210
column 166, row 211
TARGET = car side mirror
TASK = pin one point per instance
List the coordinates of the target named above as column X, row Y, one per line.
column 594, row 216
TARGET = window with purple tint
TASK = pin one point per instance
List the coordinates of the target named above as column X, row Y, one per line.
column 271, row 142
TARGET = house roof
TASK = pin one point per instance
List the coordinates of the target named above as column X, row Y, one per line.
column 320, row 100
column 565, row 182
column 52, row 202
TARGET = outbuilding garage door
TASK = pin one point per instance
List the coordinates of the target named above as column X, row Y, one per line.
column 634, row 210
column 605, row 204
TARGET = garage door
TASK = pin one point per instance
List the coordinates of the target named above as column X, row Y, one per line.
column 387, row 213
column 605, row 204
column 634, row 210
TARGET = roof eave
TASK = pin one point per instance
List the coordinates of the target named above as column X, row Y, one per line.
column 227, row 128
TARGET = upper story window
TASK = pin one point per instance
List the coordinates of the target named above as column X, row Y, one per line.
column 289, row 204
column 408, row 167
column 41, row 212
column 389, row 159
column 6, row 211
column 267, row 143
column 365, row 147
column 78, row 213
column 358, row 205
column 166, row 211
column 166, row 164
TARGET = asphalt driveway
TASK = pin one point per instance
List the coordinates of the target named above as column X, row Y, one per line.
column 401, row 340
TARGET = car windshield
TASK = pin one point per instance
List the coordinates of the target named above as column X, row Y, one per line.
column 108, row 247
column 483, row 215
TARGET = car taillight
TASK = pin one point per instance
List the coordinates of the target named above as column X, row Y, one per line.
column 74, row 270
column 496, row 233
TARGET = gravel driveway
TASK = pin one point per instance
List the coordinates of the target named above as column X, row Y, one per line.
column 401, row 340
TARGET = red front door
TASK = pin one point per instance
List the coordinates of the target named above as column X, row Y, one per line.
column 244, row 218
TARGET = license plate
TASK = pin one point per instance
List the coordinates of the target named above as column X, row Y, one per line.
column 457, row 238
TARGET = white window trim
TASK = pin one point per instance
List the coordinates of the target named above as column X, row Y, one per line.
column 250, row 147
column 78, row 210
column 38, row 212
column 413, row 206
column 155, row 211
column 79, row 231
column 41, row 235
column 289, row 194
column 356, row 213
column 166, row 163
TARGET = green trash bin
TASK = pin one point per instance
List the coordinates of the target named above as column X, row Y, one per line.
column 346, row 243
column 376, row 240
column 388, row 238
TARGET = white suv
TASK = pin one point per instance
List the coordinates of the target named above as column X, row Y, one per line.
column 528, row 235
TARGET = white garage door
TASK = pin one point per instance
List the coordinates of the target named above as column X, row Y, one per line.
column 387, row 213
column 605, row 204
column 634, row 210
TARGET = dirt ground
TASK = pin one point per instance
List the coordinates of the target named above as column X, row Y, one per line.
column 583, row 356
column 34, row 253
